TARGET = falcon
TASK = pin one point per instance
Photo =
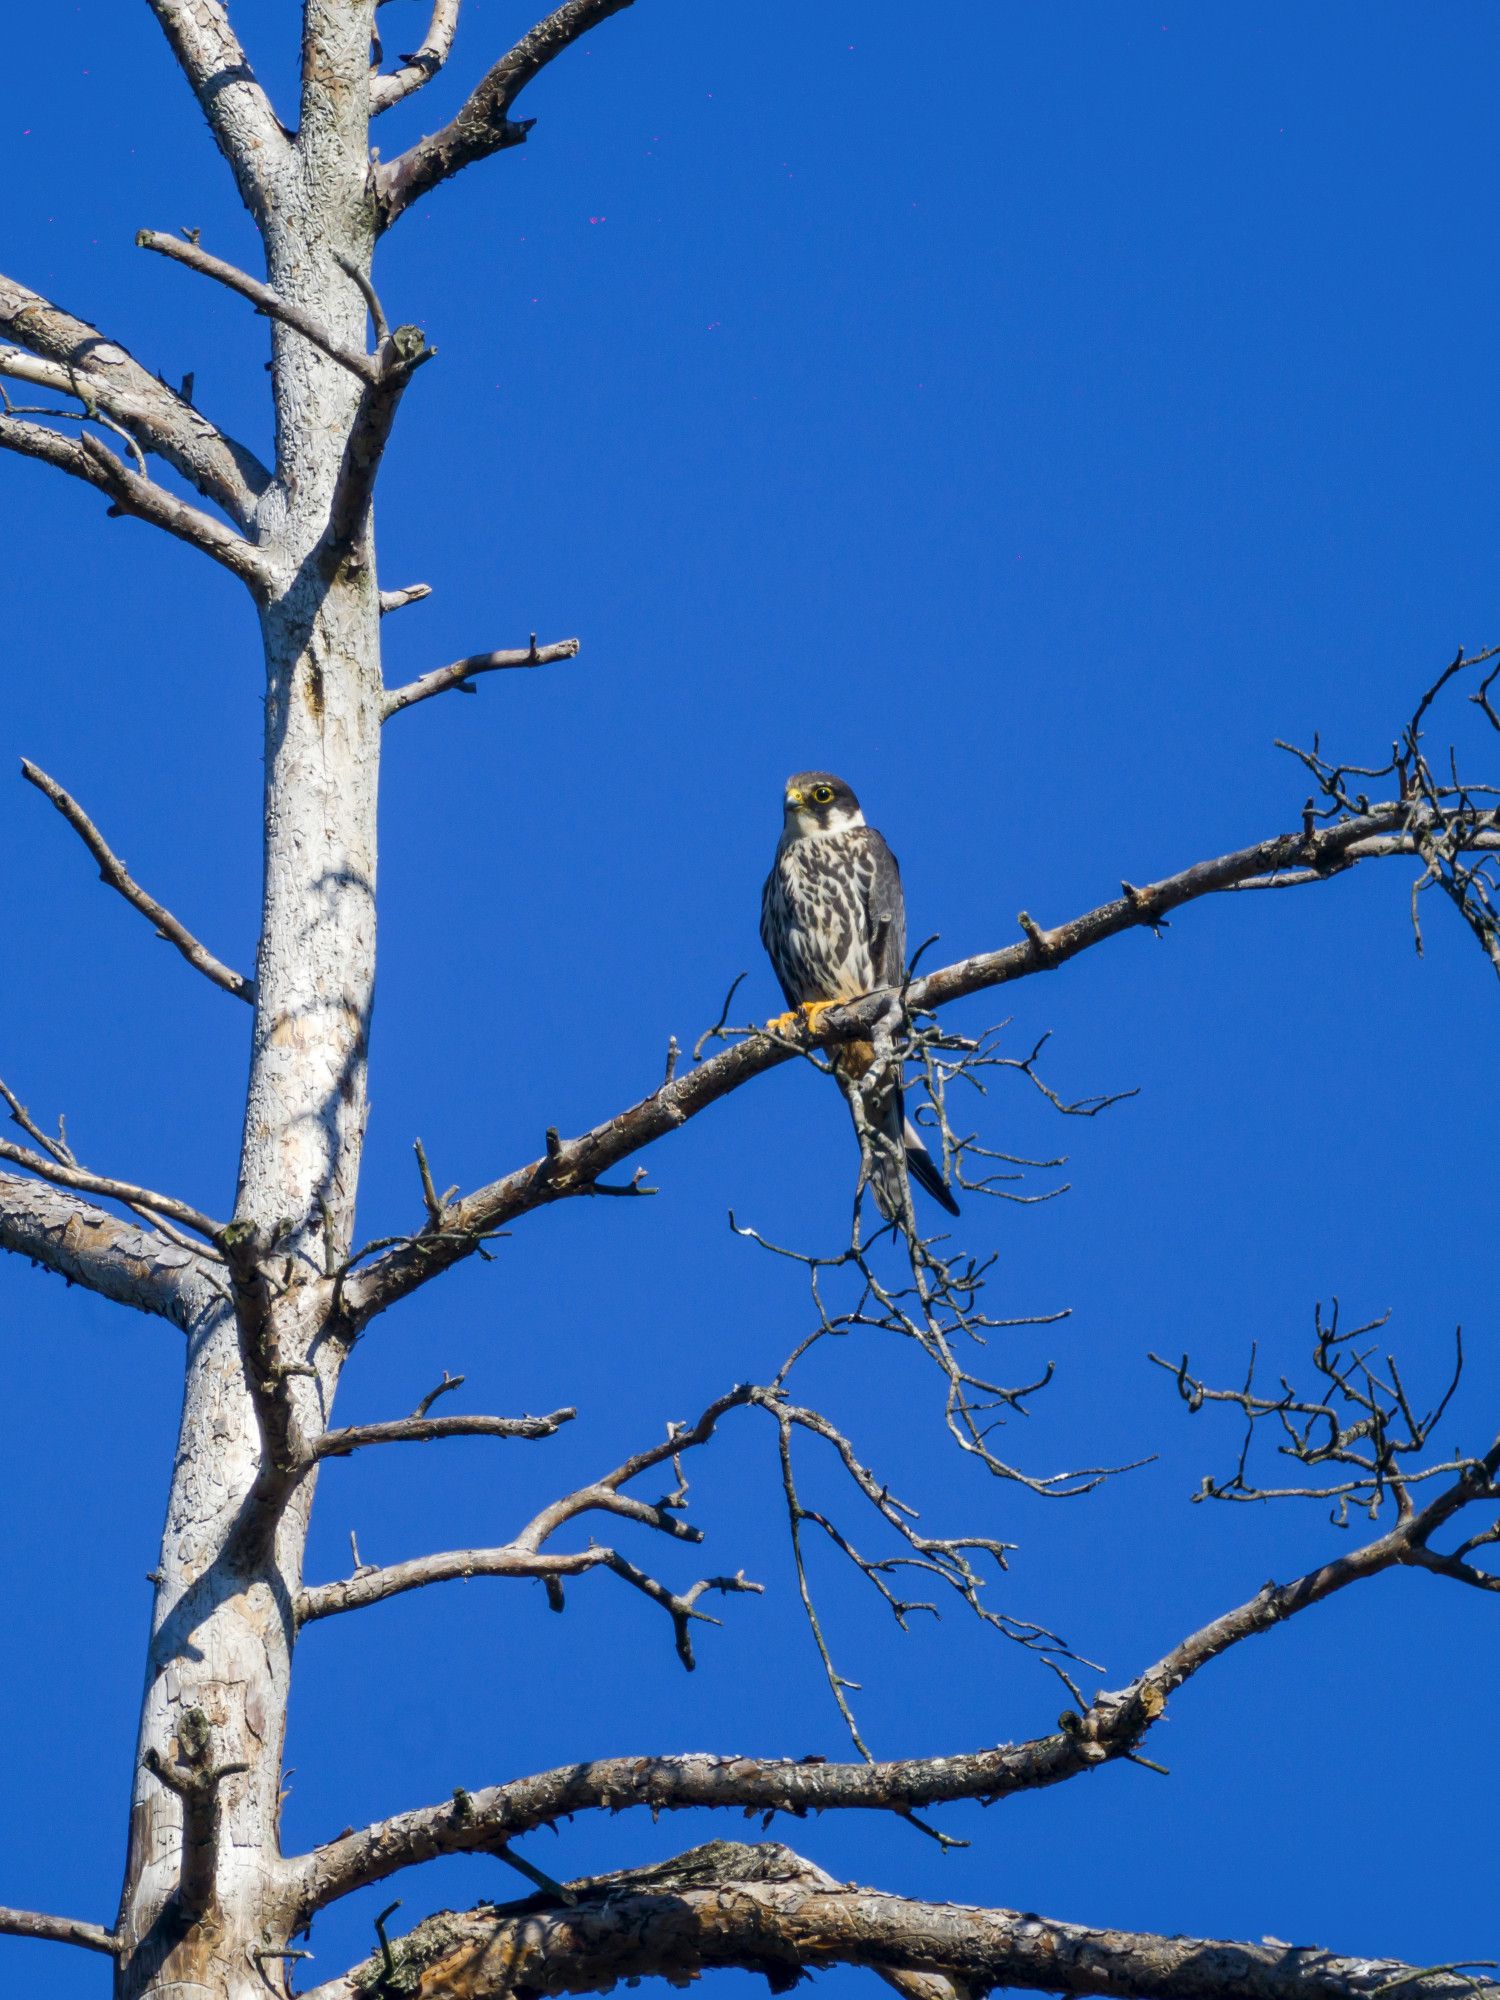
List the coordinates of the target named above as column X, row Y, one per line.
column 833, row 919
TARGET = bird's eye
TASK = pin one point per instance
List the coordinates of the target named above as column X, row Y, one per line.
column 822, row 795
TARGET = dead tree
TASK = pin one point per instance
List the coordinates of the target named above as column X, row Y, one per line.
column 273, row 1297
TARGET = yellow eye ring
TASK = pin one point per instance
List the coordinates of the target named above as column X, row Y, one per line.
column 822, row 795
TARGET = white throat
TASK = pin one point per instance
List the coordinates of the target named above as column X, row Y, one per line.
column 804, row 825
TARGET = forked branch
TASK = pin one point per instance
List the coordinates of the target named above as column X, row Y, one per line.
column 112, row 870
column 1355, row 1432
column 526, row 1554
column 606, row 1495
column 1109, row 1727
column 1437, row 798
column 1361, row 1439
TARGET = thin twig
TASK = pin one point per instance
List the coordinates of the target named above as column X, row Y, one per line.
column 127, row 1192
column 370, row 296
column 186, row 251
column 460, row 673
column 112, row 870
column 422, row 1429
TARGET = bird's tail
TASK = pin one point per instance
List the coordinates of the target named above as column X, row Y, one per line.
column 894, row 1151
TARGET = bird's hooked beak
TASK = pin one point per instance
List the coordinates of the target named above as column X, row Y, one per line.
column 794, row 798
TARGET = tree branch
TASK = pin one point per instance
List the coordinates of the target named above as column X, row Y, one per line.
column 424, row 1430
column 682, row 1606
column 384, row 374
column 524, row 1555
column 1112, row 1726
column 483, row 124
column 401, row 354
column 1325, row 852
column 461, row 672
column 59, row 1150
column 397, row 600
column 422, row 65
column 58, row 1930
column 83, row 1182
column 248, row 132
column 573, row 1166
column 604, row 1495
column 114, row 872
column 373, row 1584
column 75, row 359
column 121, row 1261
column 1381, row 847
column 767, row 1910
column 183, row 250
column 87, row 459
column 1452, row 1566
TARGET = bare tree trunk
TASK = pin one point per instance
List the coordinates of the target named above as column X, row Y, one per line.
column 271, row 1299
column 202, row 1895
column 216, row 1691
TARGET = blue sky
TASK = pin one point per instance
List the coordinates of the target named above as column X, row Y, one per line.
column 1031, row 419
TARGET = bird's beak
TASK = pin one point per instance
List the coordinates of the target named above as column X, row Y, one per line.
column 793, row 796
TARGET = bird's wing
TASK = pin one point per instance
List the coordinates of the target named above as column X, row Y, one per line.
column 885, row 909
column 770, row 936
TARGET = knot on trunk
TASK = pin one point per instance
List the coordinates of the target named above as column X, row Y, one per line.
column 192, row 1774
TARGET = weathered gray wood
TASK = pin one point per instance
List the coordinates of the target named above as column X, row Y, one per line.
column 271, row 1299
column 764, row 1909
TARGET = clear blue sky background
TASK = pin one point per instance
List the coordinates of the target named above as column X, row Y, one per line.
column 1030, row 412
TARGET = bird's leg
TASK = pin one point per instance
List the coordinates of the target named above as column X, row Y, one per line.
column 813, row 1010
column 805, row 1017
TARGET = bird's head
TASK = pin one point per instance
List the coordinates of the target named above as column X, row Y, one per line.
column 816, row 802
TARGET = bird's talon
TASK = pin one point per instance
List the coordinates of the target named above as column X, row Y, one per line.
column 803, row 1019
column 813, row 1010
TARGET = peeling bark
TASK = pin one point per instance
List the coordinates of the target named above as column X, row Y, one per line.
column 125, row 1262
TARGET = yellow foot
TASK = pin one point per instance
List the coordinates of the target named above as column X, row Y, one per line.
column 804, row 1017
column 813, row 1009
